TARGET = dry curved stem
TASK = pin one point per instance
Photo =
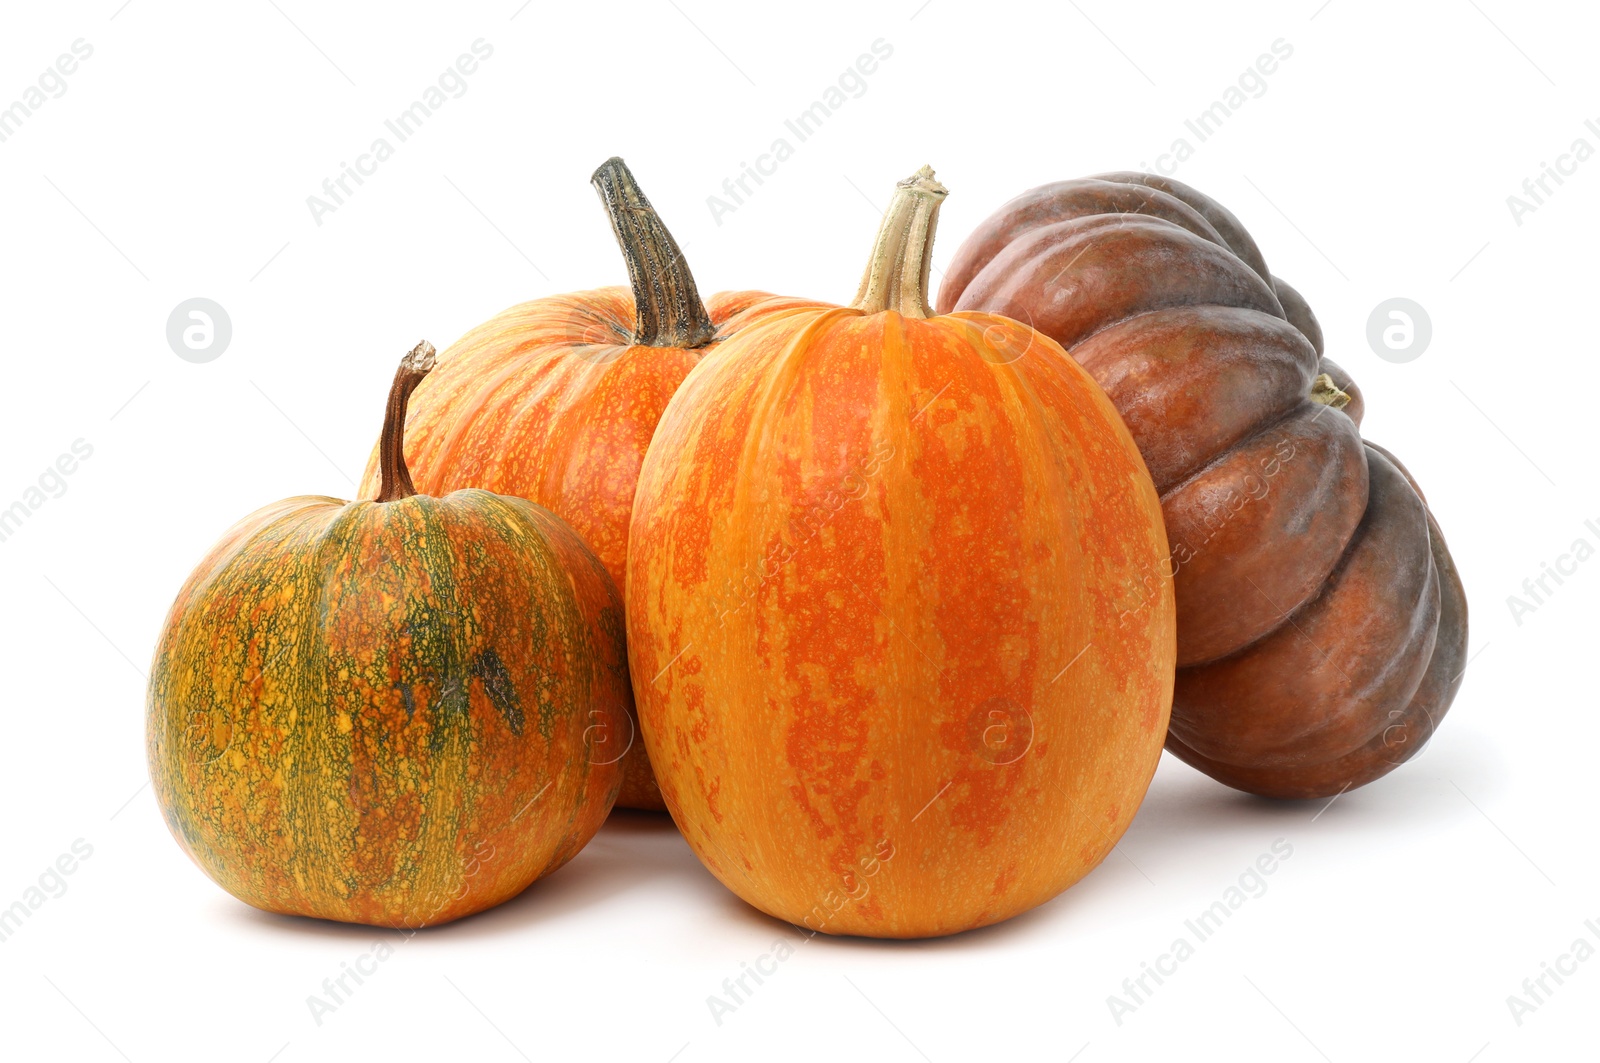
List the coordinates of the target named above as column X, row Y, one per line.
column 394, row 477
column 667, row 308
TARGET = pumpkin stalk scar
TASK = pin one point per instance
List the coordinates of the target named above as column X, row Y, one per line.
column 1325, row 391
column 396, row 478
column 668, row 311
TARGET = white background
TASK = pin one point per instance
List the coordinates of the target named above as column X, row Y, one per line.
column 1377, row 163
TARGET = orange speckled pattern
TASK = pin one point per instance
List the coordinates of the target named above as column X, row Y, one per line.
column 899, row 625
column 385, row 713
column 550, row 401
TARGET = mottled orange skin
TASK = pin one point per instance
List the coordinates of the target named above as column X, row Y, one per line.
column 384, row 713
column 552, row 402
column 900, row 633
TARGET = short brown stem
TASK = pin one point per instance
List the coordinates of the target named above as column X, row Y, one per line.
column 394, row 477
column 1325, row 391
column 897, row 273
column 667, row 307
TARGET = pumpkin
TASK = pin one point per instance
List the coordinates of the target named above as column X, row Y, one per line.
column 382, row 712
column 556, row 400
column 1322, row 626
column 887, row 656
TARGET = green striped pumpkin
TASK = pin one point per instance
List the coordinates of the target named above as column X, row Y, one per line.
column 392, row 712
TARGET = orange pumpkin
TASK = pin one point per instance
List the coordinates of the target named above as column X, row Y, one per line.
column 383, row 712
column 556, row 400
column 895, row 662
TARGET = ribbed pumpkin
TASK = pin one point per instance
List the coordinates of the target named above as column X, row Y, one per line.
column 1322, row 627
column 882, row 623
column 382, row 712
column 556, row 400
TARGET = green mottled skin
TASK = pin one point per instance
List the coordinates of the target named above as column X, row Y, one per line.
column 379, row 712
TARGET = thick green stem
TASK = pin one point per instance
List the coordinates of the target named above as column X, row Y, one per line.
column 897, row 273
column 667, row 307
column 394, row 478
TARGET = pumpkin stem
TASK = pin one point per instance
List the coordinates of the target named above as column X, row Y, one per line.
column 394, row 477
column 666, row 304
column 897, row 273
column 1325, row 391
